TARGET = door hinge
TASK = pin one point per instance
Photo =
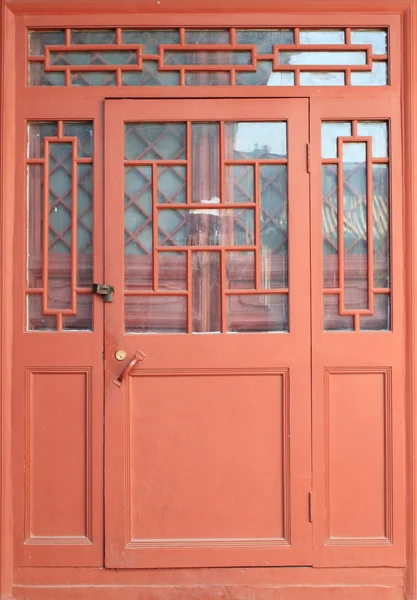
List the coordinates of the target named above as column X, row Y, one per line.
column 308, row 159
column 310, row 506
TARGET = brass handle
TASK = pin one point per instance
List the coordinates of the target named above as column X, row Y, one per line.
column 138, row 356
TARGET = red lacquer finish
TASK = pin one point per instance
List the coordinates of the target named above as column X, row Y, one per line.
column 271, row 425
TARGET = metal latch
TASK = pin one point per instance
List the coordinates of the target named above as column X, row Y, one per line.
column 106, row 291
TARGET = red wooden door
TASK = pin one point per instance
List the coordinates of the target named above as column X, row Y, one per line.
column 358, row 336
column 207, row 246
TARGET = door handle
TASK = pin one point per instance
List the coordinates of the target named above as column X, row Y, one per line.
column 138, row 356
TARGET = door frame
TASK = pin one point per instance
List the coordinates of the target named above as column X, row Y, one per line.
column 11, row 12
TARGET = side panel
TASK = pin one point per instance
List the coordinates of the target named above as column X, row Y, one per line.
column 58, row 374
column 358, row 334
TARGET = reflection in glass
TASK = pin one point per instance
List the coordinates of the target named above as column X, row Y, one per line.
column 378, row 130
column 330, row 225
column 205, row 161
column 322, row 36
column 377, row 38
column 207, row 36
column 322, row 78
column 206, row 292
column 218, row 57
column 156, row 314
column 318, row 57
column 261, row 312
column 380, row 320
column 264, row 39
column 155, row 141
column 355, row 205
column 381, row 225
column 240, row 270
column 332, row 320
column 259, row 140
column 240, row 183
column 274, row 226
column 207, row 78
column 172, row 184
column 330, row 131
column 378, row 75
column 172, row 271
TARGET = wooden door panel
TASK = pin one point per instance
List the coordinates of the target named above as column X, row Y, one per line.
column 57, row 354
column 208, row 439
column 358, row 336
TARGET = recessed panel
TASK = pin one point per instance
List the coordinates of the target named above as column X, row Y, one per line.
column 57, row 492
column 358, row 456
column 207, row 456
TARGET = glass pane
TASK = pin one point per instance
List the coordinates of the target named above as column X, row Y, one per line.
column 377, row 38
column 257, row 313
column 138, row 210
column 330, row 131
column 378, row 130
column 84, row 133
column 172, row 228
column 207, row 36
column 110, row 57
column 207, row 78
column 206, row 227
column 60, row 225
column 322, row 78
column 36, row 320
column 39, row 39
column 172, row 184
column 172, row 270
column 330, row 224
column 150, row 38
column 332, row 320
column 218, row 57
column 205, row 157
column 155, row 141
column 34, row 230
column 85, row 226
column 37, row 76
column 264, row 39
column 355, row 205
column 264, row 75
column 150, row 75
column 317, row 57
column 36, row 134
column 83, row 320
column 240, row 184
column 274, row 226
column 322, row 36
column 381, row 225
column 156, row 314
column 93, row 36
column 380, row 320
column 86, row 78
column 240, row 270
column 260, row 140
column 206, row 315
column 378, row 75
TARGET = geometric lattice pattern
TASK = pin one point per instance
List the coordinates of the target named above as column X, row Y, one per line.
column 201, row 263
column 60, row 225
column 232, row 57
column 356, row 225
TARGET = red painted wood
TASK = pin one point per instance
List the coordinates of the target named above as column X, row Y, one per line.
column 187, row 418
column 358, row 391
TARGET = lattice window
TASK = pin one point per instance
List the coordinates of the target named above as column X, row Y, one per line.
column 60, row 225
column 206, row 227
column 150, row 57
column 356, row 225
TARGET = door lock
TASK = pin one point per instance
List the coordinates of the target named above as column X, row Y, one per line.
column 105, row 291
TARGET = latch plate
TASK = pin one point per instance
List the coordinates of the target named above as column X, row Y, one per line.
column 105, row 291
